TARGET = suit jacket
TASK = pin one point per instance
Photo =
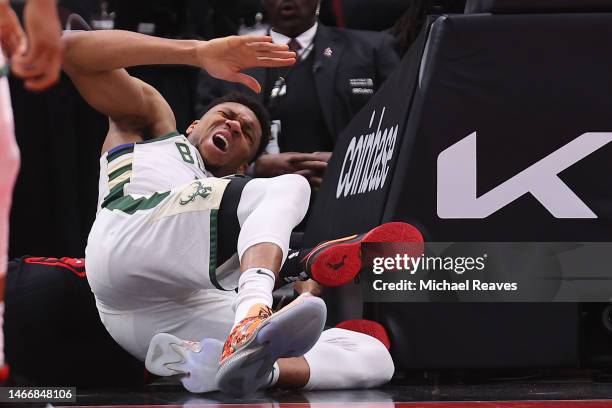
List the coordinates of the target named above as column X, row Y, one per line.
column 348, row 67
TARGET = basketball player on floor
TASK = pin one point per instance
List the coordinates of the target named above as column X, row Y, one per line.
column 171, row 224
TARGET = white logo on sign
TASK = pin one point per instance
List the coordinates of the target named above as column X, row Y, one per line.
column 366, row 161
column 457, row 181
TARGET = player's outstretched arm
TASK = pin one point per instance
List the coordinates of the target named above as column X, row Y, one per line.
column 223, row 58
column 95, row 61
column 135, row 109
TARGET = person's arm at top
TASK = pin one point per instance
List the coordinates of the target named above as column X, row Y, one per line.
column 223, row 58
column 37, row 58
column 95, row 61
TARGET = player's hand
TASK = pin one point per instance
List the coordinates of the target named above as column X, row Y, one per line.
column 224, row 58
column 272, row 165
column 12, row 37
column 313, row 178
column 40, row 64
column 314, row 168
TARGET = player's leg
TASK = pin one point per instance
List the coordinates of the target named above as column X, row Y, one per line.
column 268, row 211
column 340, row 359
column 203, row 314
column 337, row 262
column 172, row 351
column 9, row 167
column 352, row 355
column 345, row 359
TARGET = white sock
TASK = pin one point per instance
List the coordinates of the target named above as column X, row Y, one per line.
column 274, row 375
column 344, row 359
column 254, row 286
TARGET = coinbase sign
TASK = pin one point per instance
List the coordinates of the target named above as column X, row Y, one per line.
column 366, row 163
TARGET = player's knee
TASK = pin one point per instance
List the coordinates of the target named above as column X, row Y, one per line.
column 378, row 361
column 295, row 192
column 301, row 185
column 387, row 368
column 298, row 187
column 301, row 194
column 294, row 185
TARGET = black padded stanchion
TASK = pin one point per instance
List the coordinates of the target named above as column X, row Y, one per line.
column 354, row 193
column 497, row 93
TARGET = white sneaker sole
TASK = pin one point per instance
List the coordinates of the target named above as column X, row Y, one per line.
column 168, row 355
column 288, row 333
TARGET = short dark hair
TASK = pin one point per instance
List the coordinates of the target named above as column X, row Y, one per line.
column 258, row 109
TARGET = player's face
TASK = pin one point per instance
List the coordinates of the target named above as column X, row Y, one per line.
column 227, row 137
column 291, row 17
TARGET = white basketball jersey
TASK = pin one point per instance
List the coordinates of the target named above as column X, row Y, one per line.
column 155, row 233
column 155, row 166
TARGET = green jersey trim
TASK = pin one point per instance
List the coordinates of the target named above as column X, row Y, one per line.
column 130, row 205
column 129, row 148
column 164, row 137
column 114, row 194
column 212, row 266
column 121, row 170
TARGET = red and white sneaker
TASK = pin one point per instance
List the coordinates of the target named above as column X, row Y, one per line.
column 337, row 262
column 263, row 337
column 195, row 362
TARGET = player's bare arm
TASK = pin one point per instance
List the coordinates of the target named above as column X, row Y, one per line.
column 12, row 37
column 37, row 57
column 96, row 62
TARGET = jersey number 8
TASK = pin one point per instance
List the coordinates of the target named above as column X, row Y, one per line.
column 185, row 153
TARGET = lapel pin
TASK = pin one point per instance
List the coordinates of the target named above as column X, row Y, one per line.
column 328, row 52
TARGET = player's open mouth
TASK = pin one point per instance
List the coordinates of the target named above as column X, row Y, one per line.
column 221, row 142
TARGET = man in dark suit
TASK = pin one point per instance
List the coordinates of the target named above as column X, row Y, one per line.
column 312, row 102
